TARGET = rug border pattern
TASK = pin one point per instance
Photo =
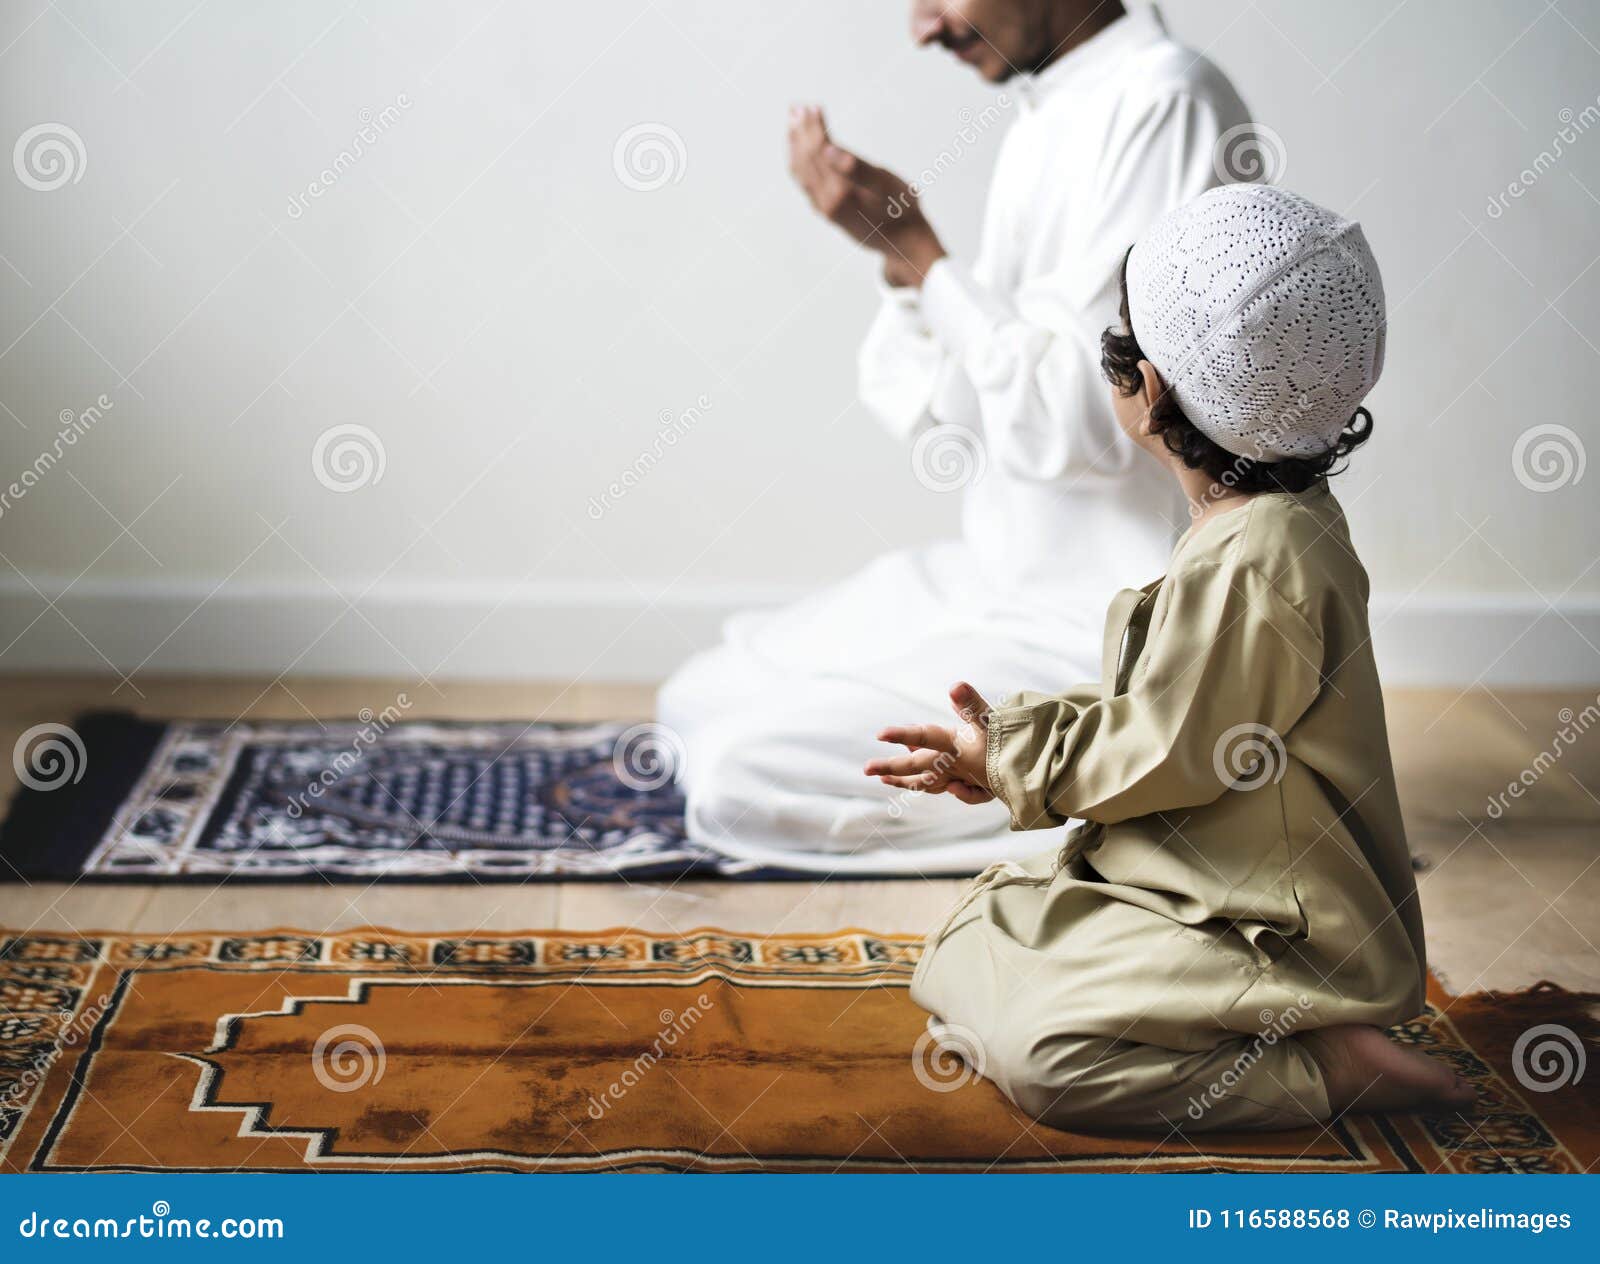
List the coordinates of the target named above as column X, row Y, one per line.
column 55, row 973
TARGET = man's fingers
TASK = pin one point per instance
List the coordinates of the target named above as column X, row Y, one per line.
column 800, row 136
column 932, row 736
column 969, row 704
column 806, row 140
column 842, row 161
column 810, row 163
column 820, row 125
column 802, row 159
column 808, row 125
column 857, row 170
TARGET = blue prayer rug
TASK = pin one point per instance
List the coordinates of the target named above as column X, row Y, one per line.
column 112, row 796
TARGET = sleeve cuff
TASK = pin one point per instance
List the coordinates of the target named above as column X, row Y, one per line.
column 898, row 365
column 905, row 298
column 1007, row 785
column 960, row 312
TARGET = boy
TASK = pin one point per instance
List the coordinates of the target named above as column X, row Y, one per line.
column 1234, row 920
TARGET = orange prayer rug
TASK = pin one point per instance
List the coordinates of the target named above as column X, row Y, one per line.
column 376, row 1050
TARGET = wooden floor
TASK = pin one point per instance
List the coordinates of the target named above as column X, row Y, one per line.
column 1509, row 898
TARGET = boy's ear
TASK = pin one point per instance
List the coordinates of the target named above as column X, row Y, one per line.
column 1151, row 391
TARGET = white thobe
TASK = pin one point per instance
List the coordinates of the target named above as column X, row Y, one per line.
column 777, row 721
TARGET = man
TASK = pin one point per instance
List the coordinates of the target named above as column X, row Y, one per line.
column 994, row 367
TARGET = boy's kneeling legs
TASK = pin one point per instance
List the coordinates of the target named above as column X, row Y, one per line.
column 1091, row 1083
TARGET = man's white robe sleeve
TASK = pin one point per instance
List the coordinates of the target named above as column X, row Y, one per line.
column 899, row 365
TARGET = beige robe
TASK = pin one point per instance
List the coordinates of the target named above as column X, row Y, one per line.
column 1241, row 872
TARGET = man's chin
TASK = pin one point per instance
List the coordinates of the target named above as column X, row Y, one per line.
column 991, row 67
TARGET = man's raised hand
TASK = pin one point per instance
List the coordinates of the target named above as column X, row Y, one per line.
column 874, row 206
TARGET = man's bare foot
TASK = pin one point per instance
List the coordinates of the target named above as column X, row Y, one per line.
column 1365, row 1071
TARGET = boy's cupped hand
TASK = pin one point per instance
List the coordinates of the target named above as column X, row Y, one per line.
column 942, row 760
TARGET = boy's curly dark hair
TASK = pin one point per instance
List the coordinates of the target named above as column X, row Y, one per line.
column 1119, row 361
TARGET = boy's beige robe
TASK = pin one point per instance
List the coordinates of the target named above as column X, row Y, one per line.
column 1242, row 872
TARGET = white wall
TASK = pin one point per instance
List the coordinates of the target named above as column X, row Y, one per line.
column 483, row 292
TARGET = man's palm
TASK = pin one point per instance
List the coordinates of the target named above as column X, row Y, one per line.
column 864, row 200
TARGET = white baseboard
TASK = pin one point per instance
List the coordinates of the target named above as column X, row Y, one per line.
column 1487, row 639
column 618, row 632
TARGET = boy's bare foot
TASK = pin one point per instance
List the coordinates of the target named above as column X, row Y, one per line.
column 1365, row 1071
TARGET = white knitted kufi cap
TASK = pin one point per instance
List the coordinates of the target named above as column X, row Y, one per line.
column 1263, row 313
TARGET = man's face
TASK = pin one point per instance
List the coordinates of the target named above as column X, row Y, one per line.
column 997, row 38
